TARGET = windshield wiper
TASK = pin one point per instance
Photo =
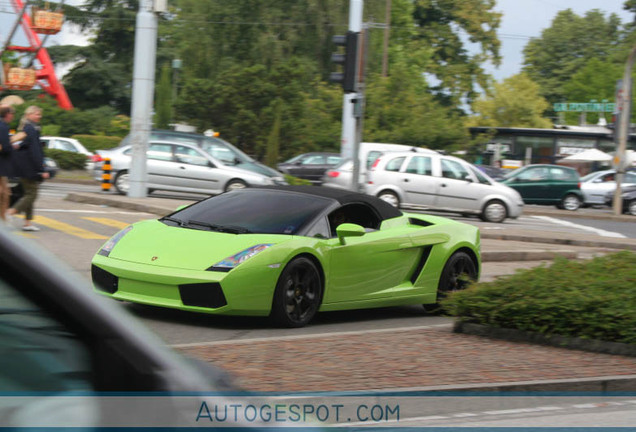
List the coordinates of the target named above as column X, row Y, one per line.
column 220, row 228
column 171, row 219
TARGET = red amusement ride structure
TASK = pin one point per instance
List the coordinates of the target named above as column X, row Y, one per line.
column 40, row 69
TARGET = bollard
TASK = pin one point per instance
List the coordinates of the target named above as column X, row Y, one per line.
column 106, row 175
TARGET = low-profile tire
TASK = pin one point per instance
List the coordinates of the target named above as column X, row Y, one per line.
column 390, row 197
column 122, row 182
column 235, row 184
column 570, row 202
column 459, row 271
column 494, row 211
column 298, row 293
column 630, row 207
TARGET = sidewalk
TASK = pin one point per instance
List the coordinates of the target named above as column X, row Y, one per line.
column 424, row 358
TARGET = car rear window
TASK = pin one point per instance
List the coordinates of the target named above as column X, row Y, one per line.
column 257, row 211
column 563, row 174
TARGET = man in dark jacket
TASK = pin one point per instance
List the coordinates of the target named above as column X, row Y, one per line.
column 6, row 149
column 29, row 164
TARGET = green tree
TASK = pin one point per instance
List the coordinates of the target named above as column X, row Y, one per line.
column 399, row 109
column 441, row 26
column 596, row 81
column 163, row 104
column 515, row 102
column 567, row 46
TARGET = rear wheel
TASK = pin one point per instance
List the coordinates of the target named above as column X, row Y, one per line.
column 458, row 273
column 122, row 182
column 298, row 293
column 630, row 207
column 494, row 211
column 390, row 197
column 570, row 202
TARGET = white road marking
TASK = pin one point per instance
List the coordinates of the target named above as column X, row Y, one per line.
column 483, row 414
column 308, row 336
column 581, row 227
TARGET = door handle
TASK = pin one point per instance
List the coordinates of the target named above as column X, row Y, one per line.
column 443, row 185
column 182, row 167
column 405, row 180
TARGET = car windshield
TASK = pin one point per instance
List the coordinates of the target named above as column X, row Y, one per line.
column 295, row 158
column 224, row 151
column 251, row 211
column 588, row 177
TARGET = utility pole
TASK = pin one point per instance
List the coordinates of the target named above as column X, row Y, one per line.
column 620, row 159
column 143, row 93
column 387, row 29
column 350, row 136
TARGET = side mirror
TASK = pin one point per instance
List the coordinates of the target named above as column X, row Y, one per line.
column 349, row 230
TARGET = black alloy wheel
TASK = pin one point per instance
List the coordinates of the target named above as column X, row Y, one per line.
column 298, row 293
column 458, row 273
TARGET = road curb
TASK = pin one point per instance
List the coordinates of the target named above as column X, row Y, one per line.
column 605, row 384
column 563, row 241
column 119, row 202
column 527, row 255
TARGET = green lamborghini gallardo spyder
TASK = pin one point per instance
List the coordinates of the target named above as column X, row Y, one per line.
column 287, row 252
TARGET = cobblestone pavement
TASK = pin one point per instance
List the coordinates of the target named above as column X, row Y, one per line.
column 402, row 359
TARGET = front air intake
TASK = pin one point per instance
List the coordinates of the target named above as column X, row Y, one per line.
column 208, row 295
column 103, row 280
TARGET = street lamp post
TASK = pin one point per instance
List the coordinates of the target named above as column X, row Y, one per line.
column 620, row 157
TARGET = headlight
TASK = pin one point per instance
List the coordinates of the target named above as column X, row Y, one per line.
column 110, row 244
column 233, row 261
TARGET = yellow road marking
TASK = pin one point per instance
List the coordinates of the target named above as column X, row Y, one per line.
column 108, row 222
column 66, row 228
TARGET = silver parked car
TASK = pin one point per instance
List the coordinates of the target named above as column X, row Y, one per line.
column 595, row 186
column 181, row 168
column 446, row 183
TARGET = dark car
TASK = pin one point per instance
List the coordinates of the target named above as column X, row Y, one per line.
column 629, row 199
column 59, row 339
column 310, row 166
column 548, row 185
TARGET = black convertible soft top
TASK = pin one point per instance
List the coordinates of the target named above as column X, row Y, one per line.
column 384, row 209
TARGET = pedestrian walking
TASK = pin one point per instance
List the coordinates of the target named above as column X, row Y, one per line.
column 6, row 149
column 29, row 165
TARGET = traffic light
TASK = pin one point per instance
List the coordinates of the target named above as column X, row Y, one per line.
column 349, row 61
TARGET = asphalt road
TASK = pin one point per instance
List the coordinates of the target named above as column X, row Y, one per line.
column 74, row 232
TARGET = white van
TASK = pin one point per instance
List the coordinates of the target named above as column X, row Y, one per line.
column 340, row 175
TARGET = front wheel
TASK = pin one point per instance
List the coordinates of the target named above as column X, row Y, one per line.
column 494, row 211
column 235, row 184
column 630, row 207
column 298, row 293
column 570, row 202
column 459, row 271
column 122, row 182
column 390, row 197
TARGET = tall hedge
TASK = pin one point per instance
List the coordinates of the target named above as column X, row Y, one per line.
column 98, row 142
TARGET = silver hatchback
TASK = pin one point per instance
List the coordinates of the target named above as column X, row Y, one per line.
column 440, row 182
column 180, row 167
